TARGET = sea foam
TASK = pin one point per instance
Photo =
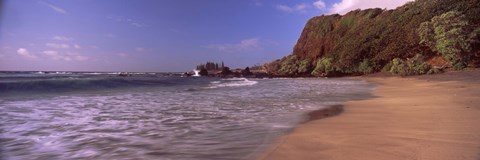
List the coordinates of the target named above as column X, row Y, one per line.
column 233, row 82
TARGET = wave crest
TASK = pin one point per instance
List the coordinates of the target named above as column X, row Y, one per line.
column 232, row 82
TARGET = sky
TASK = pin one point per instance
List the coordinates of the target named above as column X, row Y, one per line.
column 156, row 35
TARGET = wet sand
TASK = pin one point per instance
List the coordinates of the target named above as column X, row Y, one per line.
column 425, row 117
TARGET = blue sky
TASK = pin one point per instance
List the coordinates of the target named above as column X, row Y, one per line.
column 155, row 35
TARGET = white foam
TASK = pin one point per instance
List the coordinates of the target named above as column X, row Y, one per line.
column 281, row 126
column 92, row 73
column 215, row 82
column 100, row 73
column 235, row 79
column 234, row 82
column 61, row 73
column 196, row 73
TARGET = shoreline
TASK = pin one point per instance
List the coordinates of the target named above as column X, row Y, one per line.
column 419, row 117
column 330, row 111
column 327, row 112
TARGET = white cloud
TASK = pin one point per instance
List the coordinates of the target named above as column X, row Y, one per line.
column 130, row 21
column 81, row 58
column 62, row 38
column 123, row 55
column 57, row 45
column 302, row 8
column 348, row 5
column 77, row 46
column 55, row 55
column 284, row 8
column 24, row 52
column 257, row 3
column 137, row 24
column 50, row 53
column 244, row 45
column 111, row 35
column 247, row 44
column 319, row 4
column 140, row 49
column 53, row 7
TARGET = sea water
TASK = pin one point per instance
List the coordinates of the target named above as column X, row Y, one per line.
column 67, row 115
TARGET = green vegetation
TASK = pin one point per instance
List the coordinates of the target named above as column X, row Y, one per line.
column 450, row 35
column 365, row 67
column 305, row 66
column 323, row 68
column 411, row 66
column 367, row 41
column 289, row 66
column 211, row 66
column 292, row 66
column 347, row 21
column 273, row 67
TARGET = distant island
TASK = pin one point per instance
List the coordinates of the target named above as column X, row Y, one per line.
column 420, row 37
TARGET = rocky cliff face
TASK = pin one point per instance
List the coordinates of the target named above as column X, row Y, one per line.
column 373, row 37
column 322, row 34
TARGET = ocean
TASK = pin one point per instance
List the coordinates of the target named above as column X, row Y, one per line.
column 89, row 115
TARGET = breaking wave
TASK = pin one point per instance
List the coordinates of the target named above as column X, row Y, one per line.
column 232, row 82
column 71, row 83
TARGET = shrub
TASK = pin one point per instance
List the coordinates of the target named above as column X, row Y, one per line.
column 451, row 35
column 273, row 67
column 397, row 66
column 365, row 67
column 418, row 65
column 387, row 67
column 434, row 71
column 324, row 67
column 412, row 66
column 305, row 66
column 459, row 65
column 289, row 66
column 347, row 21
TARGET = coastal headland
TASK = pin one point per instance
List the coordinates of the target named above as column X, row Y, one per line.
column 423, row 117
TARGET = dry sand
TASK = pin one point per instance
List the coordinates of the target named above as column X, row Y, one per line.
column 427, row 117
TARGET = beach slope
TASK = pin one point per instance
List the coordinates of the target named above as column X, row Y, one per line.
column 426, row 117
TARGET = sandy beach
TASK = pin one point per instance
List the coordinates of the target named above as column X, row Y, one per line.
column 424, row 117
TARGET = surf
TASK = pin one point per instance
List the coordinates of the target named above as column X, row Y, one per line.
column 232, row 82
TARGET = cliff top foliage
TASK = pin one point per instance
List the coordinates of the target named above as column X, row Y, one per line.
column 366, row 41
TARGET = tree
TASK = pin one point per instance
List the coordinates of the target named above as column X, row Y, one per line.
column 324, row 67
column 273, row 67
column 426, row 33
column 289, row 66
column 226, row 71
column 412, row 66
column 203, row 72
column 209, row 66
column 450, row 35
column 305, row 66
column 365, row 67
column 246, row 72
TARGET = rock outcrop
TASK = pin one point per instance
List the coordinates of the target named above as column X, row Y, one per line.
column 375, row 37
